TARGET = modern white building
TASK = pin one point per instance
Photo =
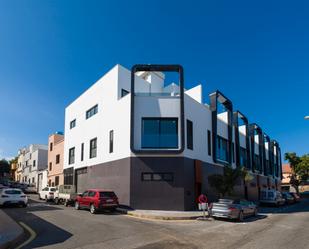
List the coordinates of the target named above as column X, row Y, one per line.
column 156, row 148
column 31, row 160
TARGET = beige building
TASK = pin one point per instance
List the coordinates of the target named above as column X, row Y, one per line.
column 55, row 159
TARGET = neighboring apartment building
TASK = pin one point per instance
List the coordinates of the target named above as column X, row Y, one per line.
column 32, row 159
column 55, row 159
column 156, row 148
column 286, row 176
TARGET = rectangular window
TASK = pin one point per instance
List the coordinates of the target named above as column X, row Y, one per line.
column 124, row 92
column 160, row 133
column 57, row 158
column 222, row 149
column 233, row 157
column 209, row 142
column 50, row 146
column 72, row 123
column 72, row 155
column 56, row 180
column 93, row 148
column 243, row 157
column 68, row 176
column 111, row 141
column 167, row 177
column 34, row 162
column 82, row 152
column 92, row 111
column 189, row 135
column 32, row 179
column 50, row 166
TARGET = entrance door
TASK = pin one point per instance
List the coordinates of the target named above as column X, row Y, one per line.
column 198, row 178
column 81, row 180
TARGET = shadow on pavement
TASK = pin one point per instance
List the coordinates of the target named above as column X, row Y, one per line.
column 246, row 220
column 46, row 232
column 302, row 206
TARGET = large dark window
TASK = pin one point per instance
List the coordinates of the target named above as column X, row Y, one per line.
column 68, row 176
column 93, row 148
column 189, row 135
column 71, row 155
column 243, row 157
column 160, row 133
column 111, row 141
column 222, row 149
column 50, row 146
column 209, row 142
column 57, row 158
column 93, row 110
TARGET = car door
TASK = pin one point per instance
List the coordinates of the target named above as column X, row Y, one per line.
column 43, row 192
column 91, row 197
column 82, row 200
column 245, row 207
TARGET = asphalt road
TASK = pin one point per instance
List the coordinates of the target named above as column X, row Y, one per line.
column 64, row 227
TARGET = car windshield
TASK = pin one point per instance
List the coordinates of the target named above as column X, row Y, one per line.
column 107, row 194
column 52, row 189
column 13, row 192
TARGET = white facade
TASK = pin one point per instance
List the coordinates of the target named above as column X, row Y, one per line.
column 154, row 98
column 31, row 160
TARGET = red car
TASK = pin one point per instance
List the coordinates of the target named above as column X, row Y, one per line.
column 97, row 199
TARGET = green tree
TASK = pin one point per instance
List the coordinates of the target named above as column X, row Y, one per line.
column 299, row 168
column 225, row 183
column 4, row 167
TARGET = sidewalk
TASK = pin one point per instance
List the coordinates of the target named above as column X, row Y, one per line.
column 162, row 215
column 10, row 231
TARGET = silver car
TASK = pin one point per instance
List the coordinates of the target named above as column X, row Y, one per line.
column 233, row 209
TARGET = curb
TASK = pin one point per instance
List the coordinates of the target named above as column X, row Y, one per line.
column 157, row 217
column 12, row 242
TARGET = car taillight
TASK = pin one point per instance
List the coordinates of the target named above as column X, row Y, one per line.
column 232, row 208
column 51, row 193
column 4, row 196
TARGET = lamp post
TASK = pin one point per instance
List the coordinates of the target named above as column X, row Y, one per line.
column 307, row 117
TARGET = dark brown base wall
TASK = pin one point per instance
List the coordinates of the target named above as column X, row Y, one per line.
column 124, row 176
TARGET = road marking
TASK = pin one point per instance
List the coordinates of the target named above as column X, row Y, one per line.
column 32, row 235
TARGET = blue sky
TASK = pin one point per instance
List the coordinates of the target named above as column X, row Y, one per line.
column 255, row 52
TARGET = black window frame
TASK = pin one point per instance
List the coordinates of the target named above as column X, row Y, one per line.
column 50, row 146
column 50, row 166
column 209, row 142
column 73, row 123
column 111, row 141
column 189, row 134
column 92, row 111
column 34, row 163
column 82, row 152
column 93, row 150
column 72, row 155
column 124, row 92
column 164, row 176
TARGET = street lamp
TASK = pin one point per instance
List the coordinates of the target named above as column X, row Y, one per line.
column 307, row 117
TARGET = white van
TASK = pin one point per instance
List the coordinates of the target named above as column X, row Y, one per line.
column 271, row 196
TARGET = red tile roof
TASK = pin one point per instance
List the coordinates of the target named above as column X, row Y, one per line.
column 286, row 168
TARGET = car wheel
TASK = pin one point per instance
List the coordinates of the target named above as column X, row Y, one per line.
column 56, row 201
column 241, row 216
column 24, row 205
column 66, row 203
column 92, row 209
column 77, row 207
column 46, row 198
column 255, row 212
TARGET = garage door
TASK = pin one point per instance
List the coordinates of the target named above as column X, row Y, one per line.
column 81, row 180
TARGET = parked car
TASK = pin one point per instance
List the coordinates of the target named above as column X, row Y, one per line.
column 30, row 189
column 97, row 199
column 289, row 199
column 65, row 195
column 295, row 196
column 47, row 193
column 272, row 197
column 233, row 209
column 12, row 196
